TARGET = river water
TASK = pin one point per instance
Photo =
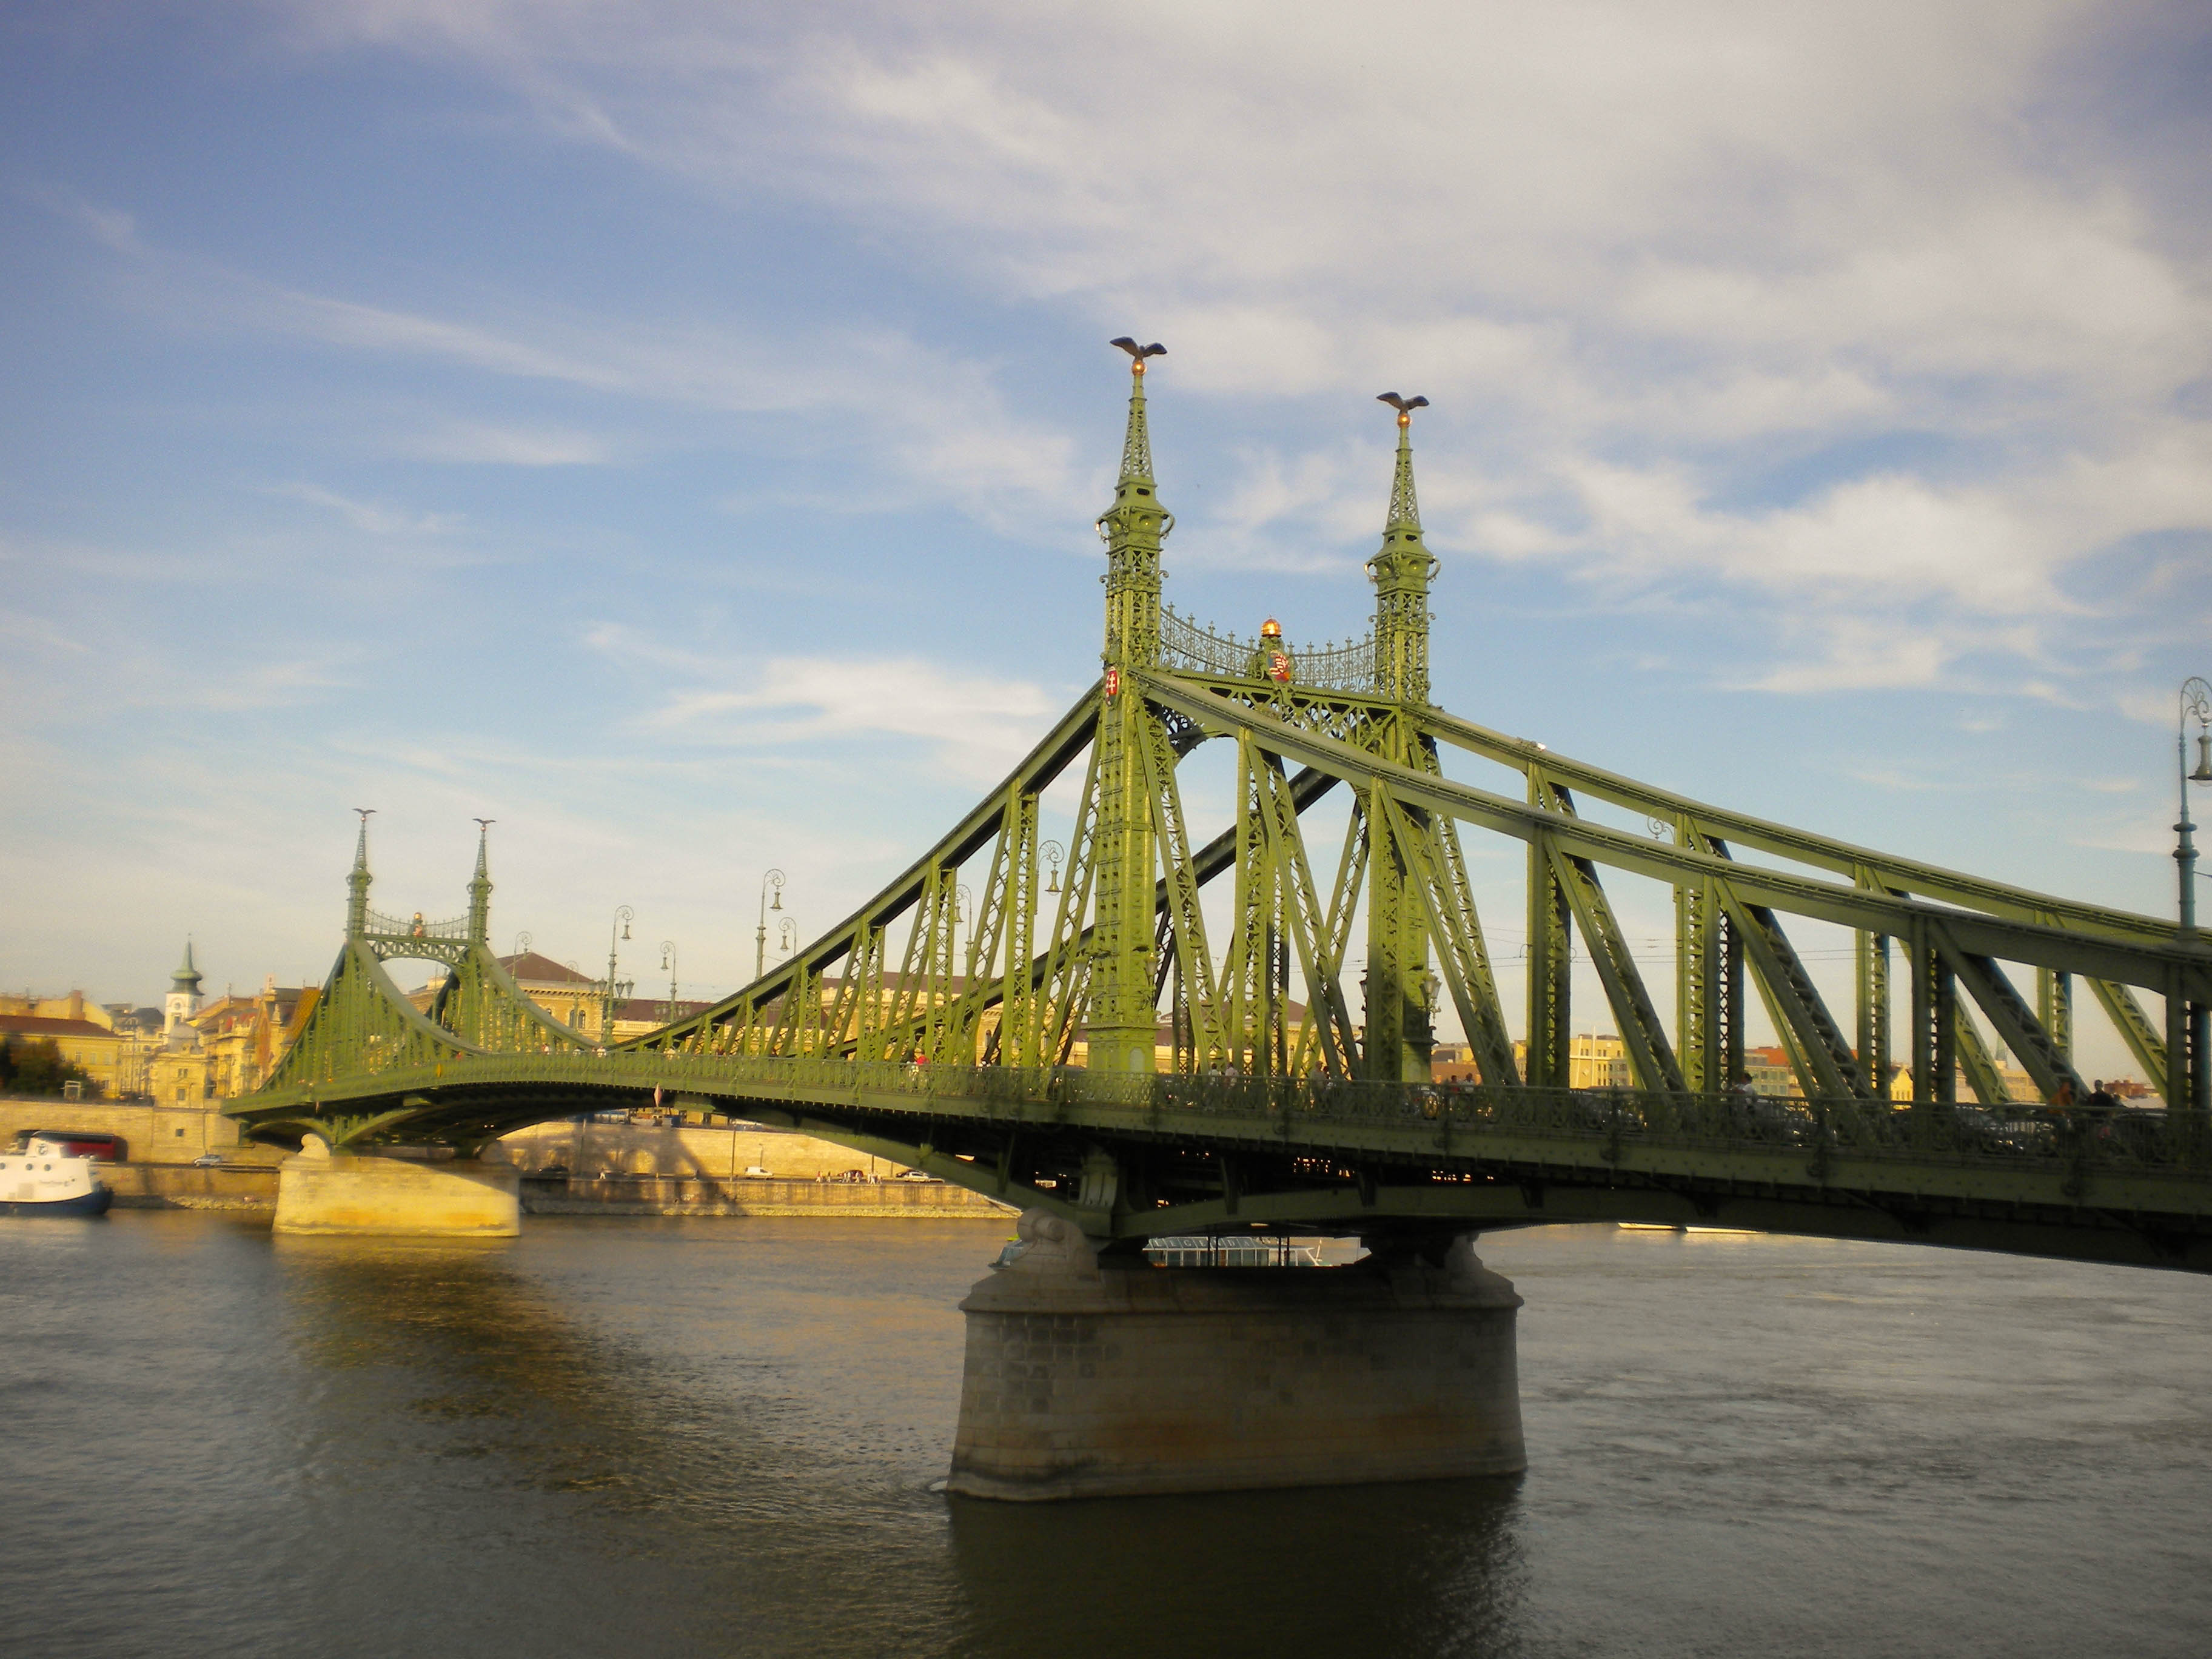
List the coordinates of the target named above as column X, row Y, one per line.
column 644, row 1438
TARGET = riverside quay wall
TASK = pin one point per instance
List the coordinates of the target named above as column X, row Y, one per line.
column 151, row 1134
column 567, row 1167
column 593, row 1168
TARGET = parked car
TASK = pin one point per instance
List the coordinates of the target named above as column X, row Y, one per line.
column 755, row 1169
column 208, row 1161
column 915, row 1174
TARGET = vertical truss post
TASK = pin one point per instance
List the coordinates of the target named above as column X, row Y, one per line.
column 1874, row 1013
column 1943, row 1028
column 1120, row 1023
column 937, row 1021
column 1696, row 1008
column 1243, row 995
column 2200, row 1061
column 1062, row 971
column 2178, row 1057
column 1398, row 1032
column 1018, row 998
column 1920, row 958
column 1731, row 993
column 2054, row 1009
column 1551, row 964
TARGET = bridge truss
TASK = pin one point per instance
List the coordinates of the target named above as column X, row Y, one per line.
column 1104, row 1044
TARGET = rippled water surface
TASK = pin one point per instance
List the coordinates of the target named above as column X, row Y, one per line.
column 717, row 1437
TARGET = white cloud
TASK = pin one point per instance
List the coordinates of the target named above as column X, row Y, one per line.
column 378, row 520
column 1630, row 249
column 976, row 724
column 476, row 443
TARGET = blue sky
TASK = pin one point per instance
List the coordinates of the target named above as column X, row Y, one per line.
column 673, row 429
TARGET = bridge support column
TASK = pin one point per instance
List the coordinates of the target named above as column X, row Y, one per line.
column 1085, row 1379
column 321, row 1191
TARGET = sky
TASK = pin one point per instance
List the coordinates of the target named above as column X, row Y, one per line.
column 673, row 431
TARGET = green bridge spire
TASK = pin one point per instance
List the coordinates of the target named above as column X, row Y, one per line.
column 480, row 887
column 1402, row 571
column 357, row 882
column 1121, row 1018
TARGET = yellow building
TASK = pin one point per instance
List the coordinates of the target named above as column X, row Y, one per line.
column 229, row 1047
column 1595, row 1059
column 83, row 1033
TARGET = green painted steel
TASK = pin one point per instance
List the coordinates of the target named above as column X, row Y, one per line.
column 1261, row 1076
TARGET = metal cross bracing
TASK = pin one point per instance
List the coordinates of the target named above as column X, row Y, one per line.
column 1267, row 1061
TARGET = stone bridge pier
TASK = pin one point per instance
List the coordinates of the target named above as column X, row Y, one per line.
column 1097, row 1376
column 321, row 1191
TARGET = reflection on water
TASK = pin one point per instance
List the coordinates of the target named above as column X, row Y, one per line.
column 1422, row 1568
column 717, row 1437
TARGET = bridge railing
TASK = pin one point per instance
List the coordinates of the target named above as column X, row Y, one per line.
column 2140, row 1137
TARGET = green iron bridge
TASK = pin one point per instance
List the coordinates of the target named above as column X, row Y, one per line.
column 895, row 1033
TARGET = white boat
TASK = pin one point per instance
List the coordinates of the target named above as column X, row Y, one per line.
column 42, row 1182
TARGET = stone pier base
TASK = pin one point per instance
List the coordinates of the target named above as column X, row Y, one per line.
column 1085, row 1381
column 336, row 1193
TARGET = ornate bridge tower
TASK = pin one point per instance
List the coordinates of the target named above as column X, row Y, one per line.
column 1399, row 985
column 1122, row 1021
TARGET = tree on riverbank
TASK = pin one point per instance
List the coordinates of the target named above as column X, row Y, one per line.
column 35, row 1067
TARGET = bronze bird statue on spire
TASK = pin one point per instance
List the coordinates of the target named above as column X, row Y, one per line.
column 1403, row 405
column 1155, row 349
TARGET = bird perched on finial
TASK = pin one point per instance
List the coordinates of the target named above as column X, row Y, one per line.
column 1140, row 353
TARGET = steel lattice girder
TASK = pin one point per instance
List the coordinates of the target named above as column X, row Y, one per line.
column 2106, row 954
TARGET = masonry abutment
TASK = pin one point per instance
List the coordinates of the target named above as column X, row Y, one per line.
column 1087, row 1377
column 321, row 1191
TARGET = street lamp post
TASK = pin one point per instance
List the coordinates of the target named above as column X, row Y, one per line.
column 620, row 930
column 668, row 961
column 2196, row 704
column 772, row 881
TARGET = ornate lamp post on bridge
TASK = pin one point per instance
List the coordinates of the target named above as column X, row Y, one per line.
column 668, row 961
column 2196, row 704
column 772, row 880
column 623, row 916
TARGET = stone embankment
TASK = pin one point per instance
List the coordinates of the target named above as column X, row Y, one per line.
column 567, row 1167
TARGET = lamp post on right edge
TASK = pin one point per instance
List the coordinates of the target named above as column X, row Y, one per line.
column 2196, row 704
column 772, row 880
column 2189, row 1025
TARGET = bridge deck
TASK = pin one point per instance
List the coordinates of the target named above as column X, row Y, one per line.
column 1200, row 1151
